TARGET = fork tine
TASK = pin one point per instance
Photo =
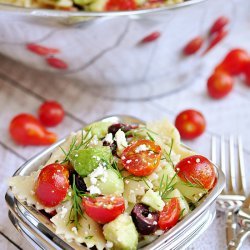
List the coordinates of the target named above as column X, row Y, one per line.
column 222, row 159
column 242, row 178
column 232, row 164
column 213, row 150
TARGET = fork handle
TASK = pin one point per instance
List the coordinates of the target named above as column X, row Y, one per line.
column 231, row 226
column 237, row 243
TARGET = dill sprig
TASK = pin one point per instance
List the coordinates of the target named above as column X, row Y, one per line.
column 76, row 211
column 167, row 155
column 194, row 182
column 182, row 213
column 167, row 187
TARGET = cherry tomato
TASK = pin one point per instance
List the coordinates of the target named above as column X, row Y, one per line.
column 141, row 157
column 247, row 74
column 216, row 38
column 57, row 63
column 25, row 129
column 52, row 185
column 219, row 85
column 198, row 170
column 170, row 214
column 234, row 62
column 117, row 5
column 193, row 46
column 151, row 37
column 218, row 25
column 190, row 124
column 41, row 50
column 104, row 209
column 51, row 113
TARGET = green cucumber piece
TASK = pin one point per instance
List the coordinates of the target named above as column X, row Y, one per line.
column 100, row 129
column 153, row 199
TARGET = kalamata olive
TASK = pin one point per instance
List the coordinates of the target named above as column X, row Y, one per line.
column 145, row 221
column 79, row 182
column 113, row 146
column 115, row 127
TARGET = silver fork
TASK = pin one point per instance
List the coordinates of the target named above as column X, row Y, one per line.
column 233, row 195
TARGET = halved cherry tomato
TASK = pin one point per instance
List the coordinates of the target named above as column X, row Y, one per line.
column 170, row 214
column 219, row 85
column 151, row 37
column 52, row 185
column 218, row 25
column 25, row 129
column 57, row 63
column 51, row 113
column 41, row 50
column 104, row 209
column 193, row 46
column 190, row 124
column 197, row 169
column 234, row 62
column 141, row 158
column 247, row 74
column 117, row 5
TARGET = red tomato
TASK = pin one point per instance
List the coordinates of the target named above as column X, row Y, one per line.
column 104, row 209
column 198, row 170
column 57, row 63
column 52, row 185
column 190, row 124
column 51, row 113
column 41, row 50
column 219, row 25
column 151, row 37
column 141, row 157
column 117, row 5
column 219, row 85
column 170, row 214
column 234, row 62
column 25, row 129
column 216, row 38
column 193, row 46
column 247, row 74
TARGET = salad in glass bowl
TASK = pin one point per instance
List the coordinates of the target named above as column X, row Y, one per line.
column 117, row 186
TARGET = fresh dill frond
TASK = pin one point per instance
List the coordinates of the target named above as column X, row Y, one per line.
column 150, row 137
column 169, row 186
column 168, row 154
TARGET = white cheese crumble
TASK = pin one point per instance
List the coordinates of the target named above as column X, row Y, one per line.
column 74, row 229
column 128, row 161
column 150, row 216
column 154, row 222
column 63, row 212
column 109, row 244
column 109, row 138
column 94, row 190
column 159, row 232
column 121, row 141
column 141, row 148
column 198, row 160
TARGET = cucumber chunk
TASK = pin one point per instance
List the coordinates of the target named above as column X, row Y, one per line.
column 100, row 129
column 153, row 199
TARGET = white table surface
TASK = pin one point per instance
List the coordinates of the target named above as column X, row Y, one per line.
column 23, row 90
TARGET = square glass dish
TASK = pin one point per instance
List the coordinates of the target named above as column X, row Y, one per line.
column 39, row 230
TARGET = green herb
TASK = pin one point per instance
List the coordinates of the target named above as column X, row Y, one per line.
column 150, row 137
column 169, row 186
column 182, row 213
column 114, row 166
column 89, row 237
column 195, row 183
column 168, row 155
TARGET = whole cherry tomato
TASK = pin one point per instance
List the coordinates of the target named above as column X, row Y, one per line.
column 52, row 185
column 247, row 74
column 151, row 37
column 104, row 209
column 219, row 85
column 218, row 25
column 193, row 46
column 170, row 214
column 197, row 170
column 51, row 113
column 141, row 157
column 190, row 124
column 234, row 62
column 25, row 129
column 117, row 5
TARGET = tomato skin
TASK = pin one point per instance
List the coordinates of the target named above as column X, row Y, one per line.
column 41, row 50
column 193, row 46
column 104, row 209
column 52, row 185
column 218, row 25
column 51, row 113
column 219, row 85
column 170, row 214
column 151, row 37
column 197, row 169
column 234, row 63
column 25, row 129
column 247, row 74
column 117, row 5
column 141, row 163
column 57, row 63
column 190, row 124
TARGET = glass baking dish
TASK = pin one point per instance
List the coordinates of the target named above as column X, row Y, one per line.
column 39, row 230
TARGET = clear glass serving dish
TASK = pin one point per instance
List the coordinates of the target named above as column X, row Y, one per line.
column 39, row 231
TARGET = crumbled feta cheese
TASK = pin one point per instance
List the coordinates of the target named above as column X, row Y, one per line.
column 123, row 157
column 127, row 181
column 74, row 229
column 159, row 232
column 94, row 141
column 198, row 160
column 150, row 216
column 109, row 138
column 140, row 148
column 109, row 244
column 69, row 193
column 121, row 141
column 94, row 190
column 63, row 212
column 99, row 173
column 128, row 161
column 154, row 222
